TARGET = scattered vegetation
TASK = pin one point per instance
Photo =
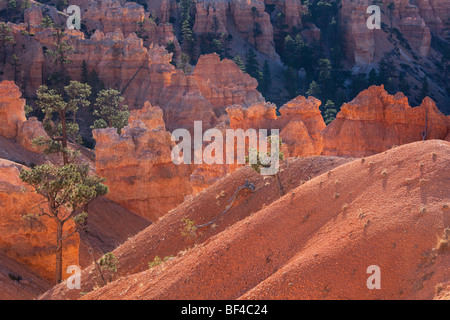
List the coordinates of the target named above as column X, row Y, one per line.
column 189, row 229
column 258, row 165
column 157, row 261
column 108, row 262
column 422, row 181
column 443, row 242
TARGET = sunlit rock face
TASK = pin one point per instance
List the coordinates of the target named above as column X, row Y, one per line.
column 138, row 165
column 376, row 121
column 26, row 240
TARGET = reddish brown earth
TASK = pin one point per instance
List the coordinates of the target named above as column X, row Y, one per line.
column 17, row 282
column 109, row 225
column 317, row 241
column 163, row 238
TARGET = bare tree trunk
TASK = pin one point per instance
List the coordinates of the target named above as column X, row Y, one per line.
column 97, row 266
column 279, row 184
column 59, row 251
column 64, row 138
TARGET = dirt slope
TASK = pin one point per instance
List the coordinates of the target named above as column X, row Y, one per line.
column 17, row 282
column 317, row 241
column 164, row 237
column 109, row 225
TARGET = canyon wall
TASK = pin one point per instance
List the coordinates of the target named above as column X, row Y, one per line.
column 415, row 20
column 243, row 15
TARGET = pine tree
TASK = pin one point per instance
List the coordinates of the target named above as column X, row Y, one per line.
column 330, row 111
column 184, row 64
column 252, row 64
column 391, row 7
column 314, row 90
column 6, row 39
column 66, row 190
column 188, row 36
column 63, row 107
column 62, row 51
column 215, row 25
column 69, row 187
column 84, row 72
column 47, row 22
column 240, row 63
column 373, row 77
column 257, row 31
column 324, row 68
column 266, row 78
column 110, row 110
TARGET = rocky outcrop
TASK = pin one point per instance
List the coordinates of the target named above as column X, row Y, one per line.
column 138, row 165
column 415, row 20
column 249, row 13
column 108, row 16
column 130, row 17
column 12, row 111
column 415, row 29
column 302, row 123
column 299, row 125
column 359, row 40
column 13, row 123
column 257, row 116
column 146, row 74
column 28, row 131
column 222, row 83
column 208, row 13
column 246, row 16
column 376, row 121
column 25, row 238
column 205, row 94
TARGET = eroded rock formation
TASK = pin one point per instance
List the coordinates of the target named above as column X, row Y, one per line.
column 376, row 121
column 302, row 123
column 138, row 165
column 13, row 123
column 416, row 21
column 12, row 111
column 246, row 15
column 204, row 95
